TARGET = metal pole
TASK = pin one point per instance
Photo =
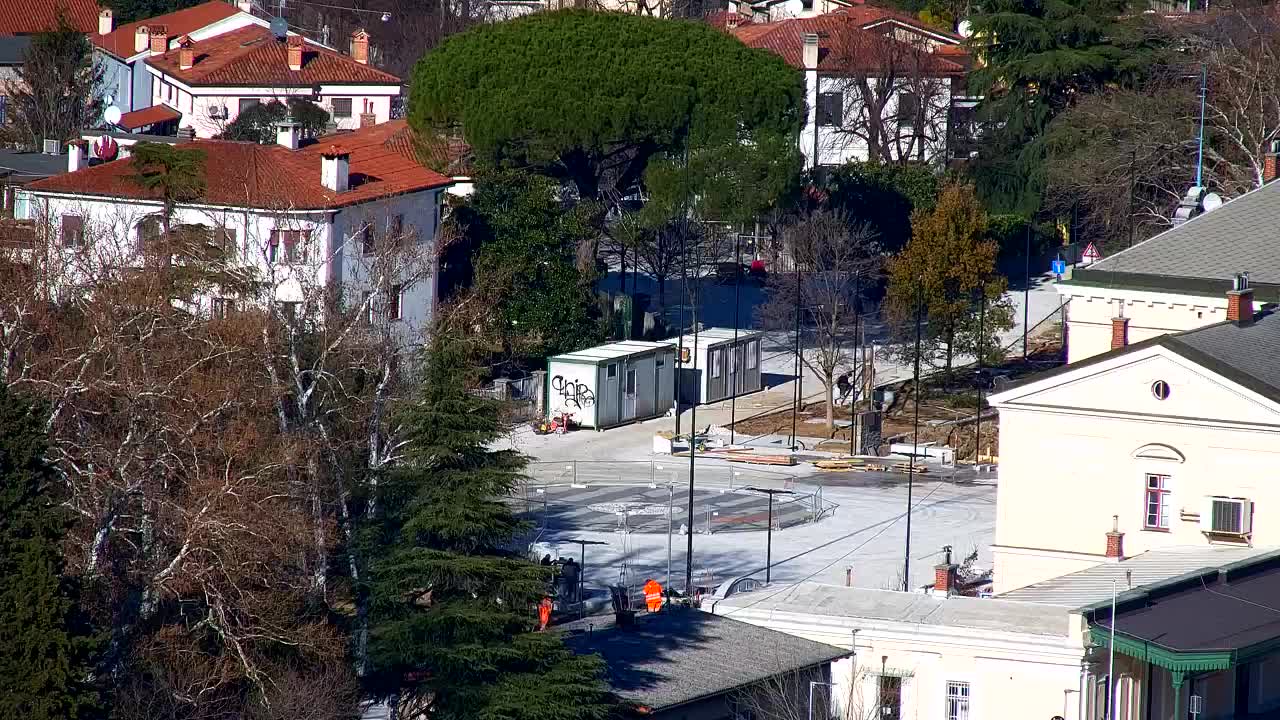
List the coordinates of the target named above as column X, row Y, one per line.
column 857, row 364
column 1111, row 658
column 693, row 454
column 671, row 496
column 915, row 446
column 675, row 380
column 1204, row 82
column 977, row 421
column 582, row 576
column 768, row 546
column 737, row 304
column 1026, row 294
column 812, row 685
column 799, row 393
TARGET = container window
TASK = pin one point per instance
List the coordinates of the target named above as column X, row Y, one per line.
column 753, row 352
column 612, row 371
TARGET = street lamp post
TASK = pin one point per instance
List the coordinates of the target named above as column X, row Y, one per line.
column 768, row 552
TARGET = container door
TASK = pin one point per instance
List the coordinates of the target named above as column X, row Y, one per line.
column 629, row 396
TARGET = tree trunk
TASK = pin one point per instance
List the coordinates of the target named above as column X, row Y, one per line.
column 829, row 382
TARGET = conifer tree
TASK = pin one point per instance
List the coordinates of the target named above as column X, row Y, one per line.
column 453, row 605
column 42, row 654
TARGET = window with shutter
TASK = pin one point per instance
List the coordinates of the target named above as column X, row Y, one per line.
column 342, row 107
column 830, row 109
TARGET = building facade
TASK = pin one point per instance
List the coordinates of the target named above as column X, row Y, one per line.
column 353, row 217
column 1169, row 443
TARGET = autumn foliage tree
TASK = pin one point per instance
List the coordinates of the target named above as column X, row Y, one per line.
column 948, row 272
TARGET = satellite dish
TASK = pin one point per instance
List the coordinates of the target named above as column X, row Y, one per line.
column 279, row 27
column 964, row 29
column 1211, row 201
column 112, row 115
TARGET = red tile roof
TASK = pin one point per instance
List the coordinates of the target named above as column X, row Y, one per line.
column 252, row 56
column 148, row 116
column 120, row 42
column 383, row 162
column 845, row 46
column 26, row 17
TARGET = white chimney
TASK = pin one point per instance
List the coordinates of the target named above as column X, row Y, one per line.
column 334, row 169
column 287, row 132
column 75, row 156
column 105, row 22
column 141, row 39
column 246, row 6
column 810, row 51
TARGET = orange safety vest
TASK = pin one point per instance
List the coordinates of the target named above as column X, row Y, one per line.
column 544, row 613
column 653, row 595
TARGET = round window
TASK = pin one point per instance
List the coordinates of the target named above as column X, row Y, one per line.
column 1160, row 389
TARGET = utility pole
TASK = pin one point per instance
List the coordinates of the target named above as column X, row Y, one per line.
column 768, row 551
column 733, row 357
column 915, row 444
column 977, row 420
column 693, row 446
column 857, row 364
column 671, row 498
column 799, row 393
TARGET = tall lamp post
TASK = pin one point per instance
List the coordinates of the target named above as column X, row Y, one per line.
column 768, row 551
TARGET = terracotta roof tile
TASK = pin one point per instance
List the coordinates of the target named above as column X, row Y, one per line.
column 239, row 174
column 252, row 56
column 120, row 42
column 148, row 116
column 845, row 46
column 26, row 17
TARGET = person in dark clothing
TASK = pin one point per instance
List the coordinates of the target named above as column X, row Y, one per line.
column 844, row 386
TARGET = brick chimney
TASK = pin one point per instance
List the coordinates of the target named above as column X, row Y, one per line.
column 944, row 578
column 360, row 46
column 186, row 53
column 1269, row 165
column 106, row 22
column 159, row 39
column 293, row 46
column 1240, row 300
column 1115, row 540
column 141, row 39
column 1119, row 330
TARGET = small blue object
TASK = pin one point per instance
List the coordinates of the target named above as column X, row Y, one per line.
column 1059, row 267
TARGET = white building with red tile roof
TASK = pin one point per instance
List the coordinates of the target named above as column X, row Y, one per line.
column 879, row 84
column 356, row 212
column 210, row 81
column 121, row 50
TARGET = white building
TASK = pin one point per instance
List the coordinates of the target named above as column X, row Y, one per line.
column 928, row 656
column 122, row 51
column 1169, row 441
column 1178, row 279
column 877, row 84
column 354, row 212
column 208, row 82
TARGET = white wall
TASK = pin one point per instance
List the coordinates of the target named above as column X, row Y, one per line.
column 194, row 102
column 573, row 388
column 1075, row 450
column 840, row 145
column 1150, row 314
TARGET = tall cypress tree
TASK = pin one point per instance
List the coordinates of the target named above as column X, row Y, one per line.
column 451, row 625
column 42, row 654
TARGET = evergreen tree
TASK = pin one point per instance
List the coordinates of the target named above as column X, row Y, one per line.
column 43, row 653
column 258, row 123
column 453, row 606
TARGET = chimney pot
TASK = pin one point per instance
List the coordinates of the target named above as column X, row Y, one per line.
column 1269, row 162
column 1115, row 540
column 75, row 155
column 141, row 39
column 848, row 576
column 287, row 133
column 1119, row 331
column 1240, row 300
column 245, row 6
column 360, row 46
column 159, row 40
column 106, row 22
column 186, row 53
column 293, row 45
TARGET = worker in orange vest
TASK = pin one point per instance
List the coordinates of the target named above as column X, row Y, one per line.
column 653, row 595
column 544, row 613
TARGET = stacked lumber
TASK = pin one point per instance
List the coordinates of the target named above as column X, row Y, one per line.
column 742, row 455
column 854, row 464
column 905, row 467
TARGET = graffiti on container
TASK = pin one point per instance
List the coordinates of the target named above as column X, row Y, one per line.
column 574, row 393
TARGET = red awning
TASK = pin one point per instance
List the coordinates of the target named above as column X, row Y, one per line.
column 148, row 116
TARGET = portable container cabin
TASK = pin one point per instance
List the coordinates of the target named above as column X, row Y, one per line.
column 612, row 384
column 719, row 366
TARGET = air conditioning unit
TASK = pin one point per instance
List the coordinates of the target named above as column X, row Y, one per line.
column 52, row 147
column 1226, row 516
column 216, row 112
